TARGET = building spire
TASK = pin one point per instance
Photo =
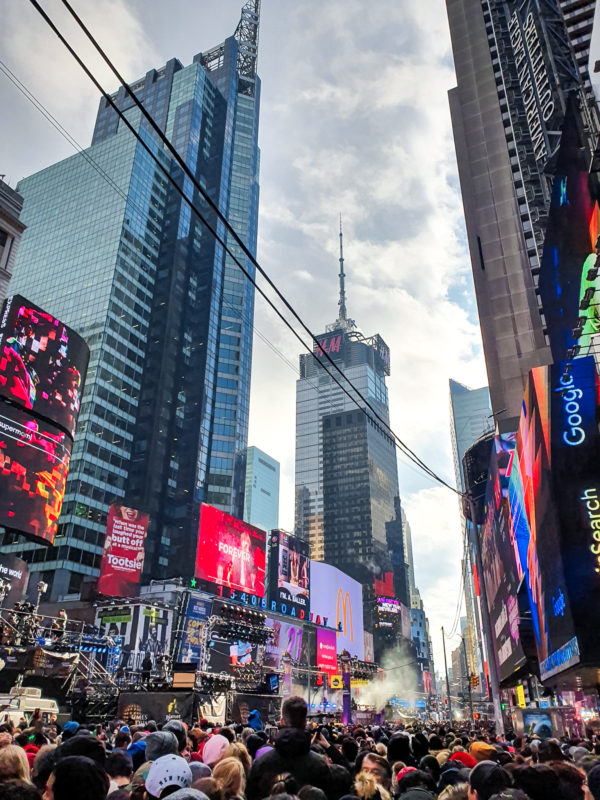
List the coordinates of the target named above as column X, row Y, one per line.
column 246, row 34
column 342, row 277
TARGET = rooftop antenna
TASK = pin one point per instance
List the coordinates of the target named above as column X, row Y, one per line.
column 342, row 276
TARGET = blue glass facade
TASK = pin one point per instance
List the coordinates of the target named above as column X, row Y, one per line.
column 113, row 250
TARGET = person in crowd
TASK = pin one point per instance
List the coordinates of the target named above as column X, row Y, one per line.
column 14, row 764
column 237, row 750
column 487, row 779
column 119, row 768
column 76, row 777
column 291, row 753
column 164, row 774
column 18, row 790
column 367, row 787
column 377, row 765
column 230, row 778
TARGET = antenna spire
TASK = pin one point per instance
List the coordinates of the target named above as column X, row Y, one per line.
column 342, row 276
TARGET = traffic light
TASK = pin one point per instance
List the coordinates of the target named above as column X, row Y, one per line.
column 474, row 681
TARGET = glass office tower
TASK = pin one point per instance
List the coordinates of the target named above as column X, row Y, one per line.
column 346, row 469
column 261, row 501
column 114, row 251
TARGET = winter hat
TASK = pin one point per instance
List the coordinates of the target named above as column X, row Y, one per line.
column 487, row 778
column 435, row 743
column 166, row 771
column 418, row 793
column 404, row 771
column 161, row 743
column 214, row 749
column 125, row 729
column 262, row 750
column 31, row 751
column 577, row 753
column 464, row 758
column 481, row 751
column 179, row 728
column 200, row 770
column 188, row 794
column 70, row 728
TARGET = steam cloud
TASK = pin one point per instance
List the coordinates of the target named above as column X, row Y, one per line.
column 399, row 679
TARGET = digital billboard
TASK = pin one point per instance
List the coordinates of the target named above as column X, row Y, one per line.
column 500, row 571
column 15, row 571
column 326, row 651
column 289, row 575
column 42, row 363
column 34, row 464
column 569, row 280
column 287, row 638
column 338, row 597
column 536, row 533
column 231, row 554
column 197, row 612
column 123, row 557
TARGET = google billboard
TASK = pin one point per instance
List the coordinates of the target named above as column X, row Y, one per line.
column 338, row 597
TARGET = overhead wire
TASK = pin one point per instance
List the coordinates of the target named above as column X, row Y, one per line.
column 400, row 443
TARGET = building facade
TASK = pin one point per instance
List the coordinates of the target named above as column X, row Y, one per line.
column 115, row 252
column 261, row 498
column 516, row 67
column 346, row 469
column 11, row 230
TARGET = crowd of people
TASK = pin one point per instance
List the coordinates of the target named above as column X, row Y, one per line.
column 294, row 761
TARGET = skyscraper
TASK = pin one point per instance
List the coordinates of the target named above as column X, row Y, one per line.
column 516, row 69
column 346, row 470
column 470, row 418
column 261, row 499
column 11, row 230
column 114, row 251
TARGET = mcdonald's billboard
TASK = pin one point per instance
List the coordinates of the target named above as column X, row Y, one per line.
column 339, row 597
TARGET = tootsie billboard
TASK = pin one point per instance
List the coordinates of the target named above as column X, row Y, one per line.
column 338, row 597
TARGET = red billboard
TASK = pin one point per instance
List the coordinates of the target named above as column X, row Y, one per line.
column 123, row 556
column 34, row 464
column 231, row 553
column 42, row 363
column 327, row 650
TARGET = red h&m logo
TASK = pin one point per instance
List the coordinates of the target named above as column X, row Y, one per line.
column 329, row 345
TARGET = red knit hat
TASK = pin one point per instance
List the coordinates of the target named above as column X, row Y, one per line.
column 465, row 759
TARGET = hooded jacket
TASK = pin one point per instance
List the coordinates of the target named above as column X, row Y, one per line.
column 292, row 754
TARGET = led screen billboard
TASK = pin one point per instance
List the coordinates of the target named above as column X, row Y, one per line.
column 338, row 597
column 15, row 571
column 34, row 464
column 286, row 638
column 500, row 571
column 42, row 363
column 289, row 575
column 326, row 651
column 231, row 554
column 123, row 557
column 197, row 612
column 569, row 280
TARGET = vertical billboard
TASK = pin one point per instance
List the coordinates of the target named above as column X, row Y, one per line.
column 338, row 597
column 42, row 363
column 231, row 555
column 500, row 571
column 287, row 638
column 123, row 557
column 34, row 464
column 569, row 283
column 197, row 612
column 326, row 660
column 289, row 575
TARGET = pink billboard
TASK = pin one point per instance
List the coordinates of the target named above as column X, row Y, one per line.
column 327, row 650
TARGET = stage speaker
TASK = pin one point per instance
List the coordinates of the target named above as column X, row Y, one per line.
column 184, row 675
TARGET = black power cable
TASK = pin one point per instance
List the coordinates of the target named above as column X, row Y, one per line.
column 403, row 447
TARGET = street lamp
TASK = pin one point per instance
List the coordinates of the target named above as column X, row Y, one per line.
column 41, row 588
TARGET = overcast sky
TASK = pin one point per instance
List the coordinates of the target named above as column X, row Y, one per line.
column 354, row 119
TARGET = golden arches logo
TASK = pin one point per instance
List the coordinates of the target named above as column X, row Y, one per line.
column 346, row 607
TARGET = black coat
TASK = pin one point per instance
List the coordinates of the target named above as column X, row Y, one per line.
column 292, row 754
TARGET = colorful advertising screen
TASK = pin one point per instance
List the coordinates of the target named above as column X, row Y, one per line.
column 569, row 281
column 231, row 554
column 289, row 575
column 332, row 344
column 42, row 363
column 15, row 571
column 326, row 651
column 197, row 612
column 535, row 532
column 123, row 557
column 34, row 464
column 286, row 638
column 500, row 569
column 338, row 597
